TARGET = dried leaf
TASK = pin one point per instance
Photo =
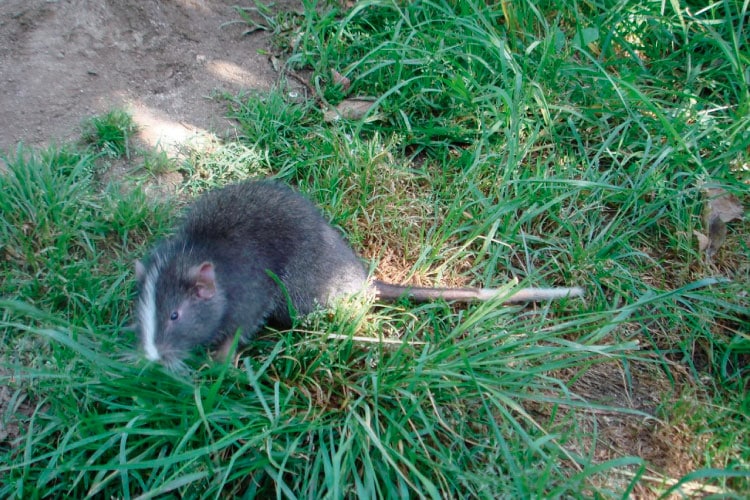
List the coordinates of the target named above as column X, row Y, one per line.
column 721, row 208
column 350, row 109
column 724, row 205
column 703, row 240
column 340, row 79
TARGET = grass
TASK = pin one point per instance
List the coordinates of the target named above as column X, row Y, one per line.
column 558, row 144
column 158, row 162
column 110, row 133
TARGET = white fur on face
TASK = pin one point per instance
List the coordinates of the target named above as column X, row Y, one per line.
column 147, row 314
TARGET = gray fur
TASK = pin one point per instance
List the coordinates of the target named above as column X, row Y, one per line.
column 220, row 272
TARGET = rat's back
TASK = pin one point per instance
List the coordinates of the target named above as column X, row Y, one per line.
column 267, row 225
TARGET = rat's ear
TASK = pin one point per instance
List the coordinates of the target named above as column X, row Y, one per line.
column 140, row 270
column 205, row 280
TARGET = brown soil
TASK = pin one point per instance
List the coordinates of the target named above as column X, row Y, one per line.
column 64, row 61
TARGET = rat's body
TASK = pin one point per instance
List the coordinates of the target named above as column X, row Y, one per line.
column 241, row 256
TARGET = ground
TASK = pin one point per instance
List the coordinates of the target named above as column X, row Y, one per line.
column 63, row 61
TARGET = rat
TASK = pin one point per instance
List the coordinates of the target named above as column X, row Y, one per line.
column 258, row 252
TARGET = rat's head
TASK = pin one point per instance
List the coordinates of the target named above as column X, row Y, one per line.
column 179, row 307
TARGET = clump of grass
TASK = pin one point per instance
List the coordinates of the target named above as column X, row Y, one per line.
column 159, row 162
column 436, row 414
column 218, row 165
column 110, row 133
column 66, row 246
column 272, row 125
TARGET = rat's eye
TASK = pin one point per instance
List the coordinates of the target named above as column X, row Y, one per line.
column 174, row 316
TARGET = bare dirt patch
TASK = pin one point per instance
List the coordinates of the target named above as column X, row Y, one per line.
column 63, row 61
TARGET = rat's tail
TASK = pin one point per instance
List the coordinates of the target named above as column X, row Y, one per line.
column 390, row 292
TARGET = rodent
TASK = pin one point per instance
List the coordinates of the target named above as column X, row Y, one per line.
column 242, row 254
